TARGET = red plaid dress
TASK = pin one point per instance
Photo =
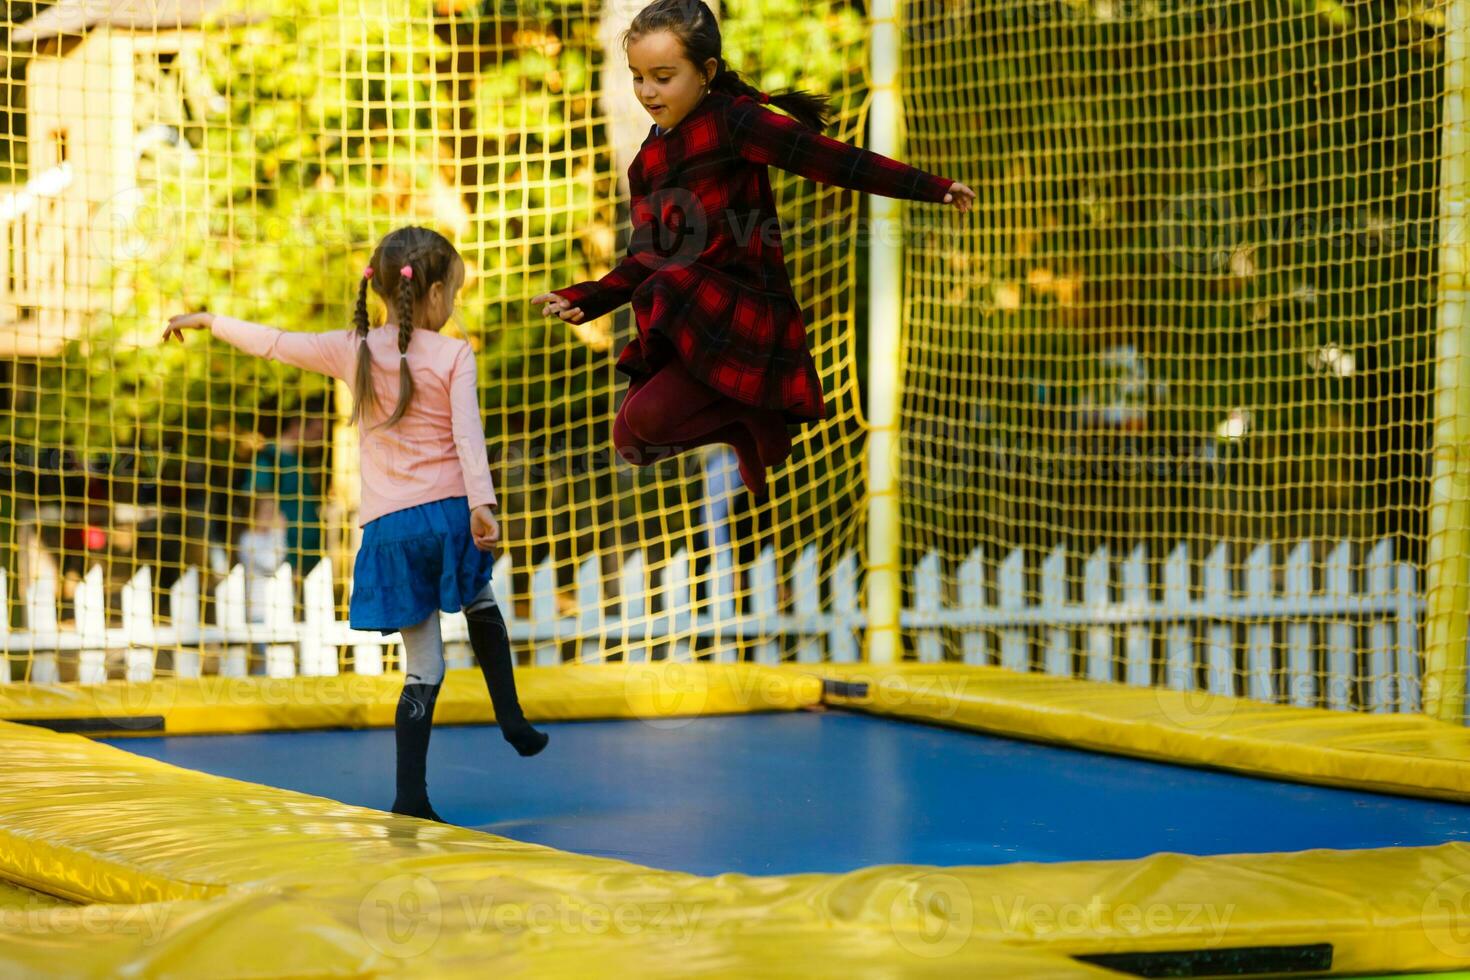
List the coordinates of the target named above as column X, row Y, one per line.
column 705, row 270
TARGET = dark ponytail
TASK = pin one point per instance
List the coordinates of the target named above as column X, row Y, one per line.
column 362, row 386
column 694, row 24
column 811, row 110
column 409, row 286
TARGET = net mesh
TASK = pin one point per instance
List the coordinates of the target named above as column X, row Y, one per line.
column 245, row 158
column 1183, row 356
column 1167, row 392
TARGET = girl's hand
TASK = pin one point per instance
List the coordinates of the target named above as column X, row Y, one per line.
column 187, row 321
column 485, row 528
column 554, row 305
column 960, row 196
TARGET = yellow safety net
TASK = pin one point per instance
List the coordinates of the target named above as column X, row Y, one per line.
column 1181, row 366
column 245, row 158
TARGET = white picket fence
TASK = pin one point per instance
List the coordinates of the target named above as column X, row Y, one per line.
column 310, row 646
column 1300, row 644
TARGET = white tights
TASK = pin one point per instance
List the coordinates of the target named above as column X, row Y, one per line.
column 423, row 644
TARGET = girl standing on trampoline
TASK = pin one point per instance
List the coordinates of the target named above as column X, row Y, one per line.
column 428, row 504
column 721, row 352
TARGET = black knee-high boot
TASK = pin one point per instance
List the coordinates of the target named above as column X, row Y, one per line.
column 411, row 726
column 491, row 643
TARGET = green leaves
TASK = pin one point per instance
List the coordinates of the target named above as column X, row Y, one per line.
column 337, row 123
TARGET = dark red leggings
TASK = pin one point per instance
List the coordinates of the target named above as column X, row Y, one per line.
column 672, row 412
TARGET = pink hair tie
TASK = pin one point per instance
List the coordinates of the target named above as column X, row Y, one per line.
column 763, row 98
column 406, row 272
column 367, row 273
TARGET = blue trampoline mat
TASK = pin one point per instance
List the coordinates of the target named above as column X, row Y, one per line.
column 820, row 791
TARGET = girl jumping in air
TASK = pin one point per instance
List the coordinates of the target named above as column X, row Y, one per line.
column 428, row 505
column 721, row 351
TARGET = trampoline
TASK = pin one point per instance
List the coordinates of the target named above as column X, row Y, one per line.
column 822, row 791
column 903, row 820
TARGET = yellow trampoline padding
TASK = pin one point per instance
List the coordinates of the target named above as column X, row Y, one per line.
column 188, row 874
column 1407, row 754
column 217, row 705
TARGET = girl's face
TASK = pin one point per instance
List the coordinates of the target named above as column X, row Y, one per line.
column 439, row 304
column 667, row 83
column 267, row 514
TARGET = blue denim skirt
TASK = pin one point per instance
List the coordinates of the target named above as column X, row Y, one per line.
column 414, row 561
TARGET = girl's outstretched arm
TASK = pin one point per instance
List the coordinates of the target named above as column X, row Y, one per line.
column 327, row 353
column 586, row 301
column 769, row 138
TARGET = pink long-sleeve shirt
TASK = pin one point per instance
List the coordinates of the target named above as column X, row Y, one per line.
column 436, row 450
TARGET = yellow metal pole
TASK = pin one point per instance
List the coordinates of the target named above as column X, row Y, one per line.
column 1447, row 593
column 885, row 311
